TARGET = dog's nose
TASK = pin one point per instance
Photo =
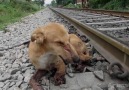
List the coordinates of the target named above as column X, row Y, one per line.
column 76, row 59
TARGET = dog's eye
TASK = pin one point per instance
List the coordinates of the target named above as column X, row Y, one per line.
column 59, row 42
column 84, row 53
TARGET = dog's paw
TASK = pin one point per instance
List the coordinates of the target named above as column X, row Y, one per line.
column 59, row 80
column 35, row 85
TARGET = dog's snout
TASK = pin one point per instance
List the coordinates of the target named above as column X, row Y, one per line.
column 76, row 59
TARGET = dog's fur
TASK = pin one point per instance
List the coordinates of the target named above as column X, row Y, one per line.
column 80, row 47
column 47, row 45
column 50, row 38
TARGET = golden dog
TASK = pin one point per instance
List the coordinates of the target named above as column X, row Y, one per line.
column 50, row 48
column 80, row 48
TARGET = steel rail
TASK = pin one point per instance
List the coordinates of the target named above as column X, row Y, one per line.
column 100, row 11
column 111, row 49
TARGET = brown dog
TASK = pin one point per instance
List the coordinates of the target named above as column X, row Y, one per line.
column 50, row 40
column 80, row 48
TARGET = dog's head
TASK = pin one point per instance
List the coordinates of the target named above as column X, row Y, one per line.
column 80, row 47
column 54, row 37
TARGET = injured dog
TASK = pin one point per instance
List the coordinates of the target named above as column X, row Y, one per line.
column 46, row 40
column 81, row 50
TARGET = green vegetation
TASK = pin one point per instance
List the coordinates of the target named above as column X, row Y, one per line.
column 63, row 3
column 109, row 4
column 119, row 5
column 13, row 10
column 70, row 5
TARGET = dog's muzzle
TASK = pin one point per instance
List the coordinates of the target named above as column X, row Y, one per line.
column 65, row 61
column 76, row 59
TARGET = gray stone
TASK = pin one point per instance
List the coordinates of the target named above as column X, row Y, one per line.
column 1, row 54
column 122, row 86
column 14, row 70
column 25, row 68
column 90, row 68
column 4, row 62
column 19, row 55
column 6, row 86
column 28, row 64
column 15, row 65
column 11, row 88
column 99, row 75
column 8, row 65
column 69, row 71
column 15, row 77
column 85, row 79
column 84, row 88
column 17, row 88
column 24, row 60
column 95, row 87
column 64, row 86
column 21, row 46
column 1, row 84
column 13, row 58
column 29, row 71
column 24, row 86
column 27, row 77
column 104, row 86
column 111, row 86
column 96, row 55
column 5, row 77
column 71, row 75
column 12, row 83
column 18, row 83
column 98, row 65
column 20, row 77
column 18, row 72
column 2, row 69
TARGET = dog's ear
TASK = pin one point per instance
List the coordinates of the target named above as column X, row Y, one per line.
column 38, row 38
column 33, row 37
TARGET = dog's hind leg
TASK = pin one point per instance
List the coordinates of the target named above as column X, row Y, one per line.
column 34, row 81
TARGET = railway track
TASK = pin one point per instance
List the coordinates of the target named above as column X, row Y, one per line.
column 15, row 70
column 108, row 34
column 110, row 12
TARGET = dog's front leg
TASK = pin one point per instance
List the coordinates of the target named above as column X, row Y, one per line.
column 34, row 81
column 81, row 67
column 59, row 79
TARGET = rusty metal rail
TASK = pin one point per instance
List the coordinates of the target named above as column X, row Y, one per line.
column 111, row 49
column 99, row 11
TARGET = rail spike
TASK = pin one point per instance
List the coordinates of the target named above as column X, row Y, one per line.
column 120, row 72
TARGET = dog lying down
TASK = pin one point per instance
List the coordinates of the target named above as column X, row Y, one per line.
column 50, row 48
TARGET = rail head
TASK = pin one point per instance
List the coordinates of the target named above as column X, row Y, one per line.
column 102, row 11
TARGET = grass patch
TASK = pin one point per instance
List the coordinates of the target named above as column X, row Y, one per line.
column 118, row 5
column 13, row 11
column 70, row 5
